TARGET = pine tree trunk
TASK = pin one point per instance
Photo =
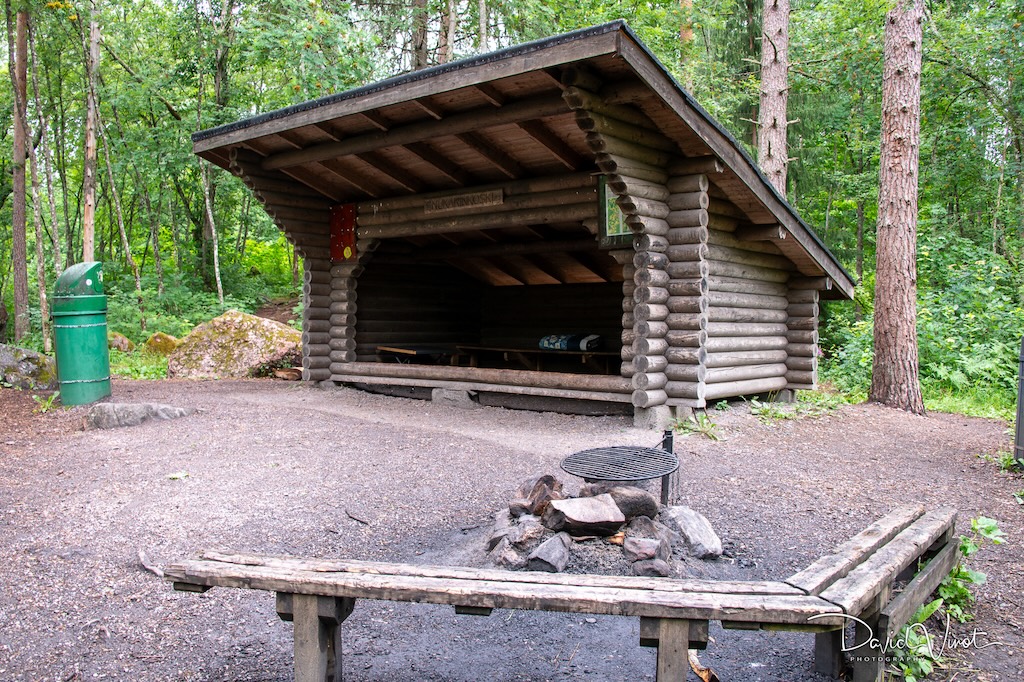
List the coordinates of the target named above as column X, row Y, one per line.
column 419, row 34
column 481, row 38
column 772, row 152
column 19, row 251
column 894, row 378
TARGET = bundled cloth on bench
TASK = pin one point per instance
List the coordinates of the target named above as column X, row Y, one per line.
column 582, row 342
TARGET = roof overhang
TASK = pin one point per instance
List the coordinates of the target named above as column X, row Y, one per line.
column 499, row 117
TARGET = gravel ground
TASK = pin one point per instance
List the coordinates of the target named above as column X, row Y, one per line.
column 278, row 468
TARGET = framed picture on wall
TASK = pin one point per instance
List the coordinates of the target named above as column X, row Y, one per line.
column 613, row 233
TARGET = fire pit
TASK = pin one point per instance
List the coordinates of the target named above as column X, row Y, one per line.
column 625, row 463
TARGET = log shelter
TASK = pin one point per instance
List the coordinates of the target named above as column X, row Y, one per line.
column 450, row 218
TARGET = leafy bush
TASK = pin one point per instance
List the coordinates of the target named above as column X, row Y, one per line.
column 138, row 365
column 969, row 325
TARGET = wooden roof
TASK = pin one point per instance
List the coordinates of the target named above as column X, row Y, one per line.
column 497, row 117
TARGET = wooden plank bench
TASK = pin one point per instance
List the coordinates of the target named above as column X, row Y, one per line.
column 317, row 595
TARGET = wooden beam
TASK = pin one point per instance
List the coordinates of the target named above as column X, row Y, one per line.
column 523, row 110
column 396, row 173
column 760, row 233
column 348, row 176
column 559, row 149
column 376, row 120
column 502, row 161
column 526, row 248
column 441, row 163
column 490, row 93
column 431, row 109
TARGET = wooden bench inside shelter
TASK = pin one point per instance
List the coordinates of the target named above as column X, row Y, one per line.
column 857, row 583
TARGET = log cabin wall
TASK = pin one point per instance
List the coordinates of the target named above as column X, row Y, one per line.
column 802, row 333
column 302, row 215
column 633, row 154
column 404, row 302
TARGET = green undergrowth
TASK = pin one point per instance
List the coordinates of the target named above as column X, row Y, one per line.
column 138, row 364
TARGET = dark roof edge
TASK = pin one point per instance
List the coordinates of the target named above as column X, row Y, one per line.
column 735, row 144
column 413, row 76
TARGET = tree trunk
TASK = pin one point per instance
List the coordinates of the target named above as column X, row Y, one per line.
column 47, row 164
column 481, row 36
column 894, row 378
column 19, row 251
column 448, row 17
column 419, row 34
column 89, row 167
column 772, row 153
column 125, row 244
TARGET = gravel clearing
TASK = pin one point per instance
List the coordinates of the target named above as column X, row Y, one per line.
column 277, row 468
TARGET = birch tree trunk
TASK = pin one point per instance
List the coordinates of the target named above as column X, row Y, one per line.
column 44, row 128
column 92, row 61
column 894, row 377
column 19, row 251
column 772, row 152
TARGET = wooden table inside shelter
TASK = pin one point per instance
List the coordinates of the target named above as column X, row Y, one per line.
column 623, row 463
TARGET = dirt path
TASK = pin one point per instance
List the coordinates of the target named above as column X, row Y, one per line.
column 272, row 467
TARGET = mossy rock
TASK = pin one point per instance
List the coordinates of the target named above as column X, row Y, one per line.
column 235, row 345
column 116, row 341
column 23, row 368
column 163, row 344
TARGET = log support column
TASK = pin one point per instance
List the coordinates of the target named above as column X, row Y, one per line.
column 802, row 336
column 317, row 642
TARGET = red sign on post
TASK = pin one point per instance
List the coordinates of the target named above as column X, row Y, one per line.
column 343, row 233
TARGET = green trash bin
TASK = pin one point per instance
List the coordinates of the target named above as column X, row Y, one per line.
column 80, row 334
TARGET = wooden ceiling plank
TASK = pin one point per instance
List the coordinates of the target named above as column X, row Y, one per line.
column 502, row 161
column 348, row 177
column 488, row 272
column 401, row 176
column 559, row 149
column 525, row 270
column 311, row 180
column 476, row 119
column 441, row 163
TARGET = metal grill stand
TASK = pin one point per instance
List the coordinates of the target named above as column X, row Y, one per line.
column 625, row 463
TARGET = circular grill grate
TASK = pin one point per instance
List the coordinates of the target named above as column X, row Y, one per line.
column 620, row 463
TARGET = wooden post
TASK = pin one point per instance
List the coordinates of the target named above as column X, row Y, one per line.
column 828, row 653
column 673, row 647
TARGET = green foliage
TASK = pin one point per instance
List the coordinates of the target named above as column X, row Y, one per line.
column 1006, row 460
column 807, row 404
column 913, row 654
column 138, row 364
column 699, row 423
column 44, row 405
column 955, row 589
column 1019, row 497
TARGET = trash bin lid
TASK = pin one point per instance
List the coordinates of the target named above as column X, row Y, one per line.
column 81, row 279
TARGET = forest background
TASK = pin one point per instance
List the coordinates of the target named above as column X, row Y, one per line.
column 166, row 68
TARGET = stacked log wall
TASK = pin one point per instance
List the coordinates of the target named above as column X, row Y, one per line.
column 802, row 334
column 688, row 271
column 404, row 303
column 304, row 217
column 633, row 155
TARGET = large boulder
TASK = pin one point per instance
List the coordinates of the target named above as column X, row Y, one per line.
column 235, row 345
column 162, row 344
column 23, row 368
column 118, row 341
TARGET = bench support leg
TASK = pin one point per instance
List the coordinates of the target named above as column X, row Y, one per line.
column 672, row 637
column 869, row 661
column 317, row 634
column 828, row 653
